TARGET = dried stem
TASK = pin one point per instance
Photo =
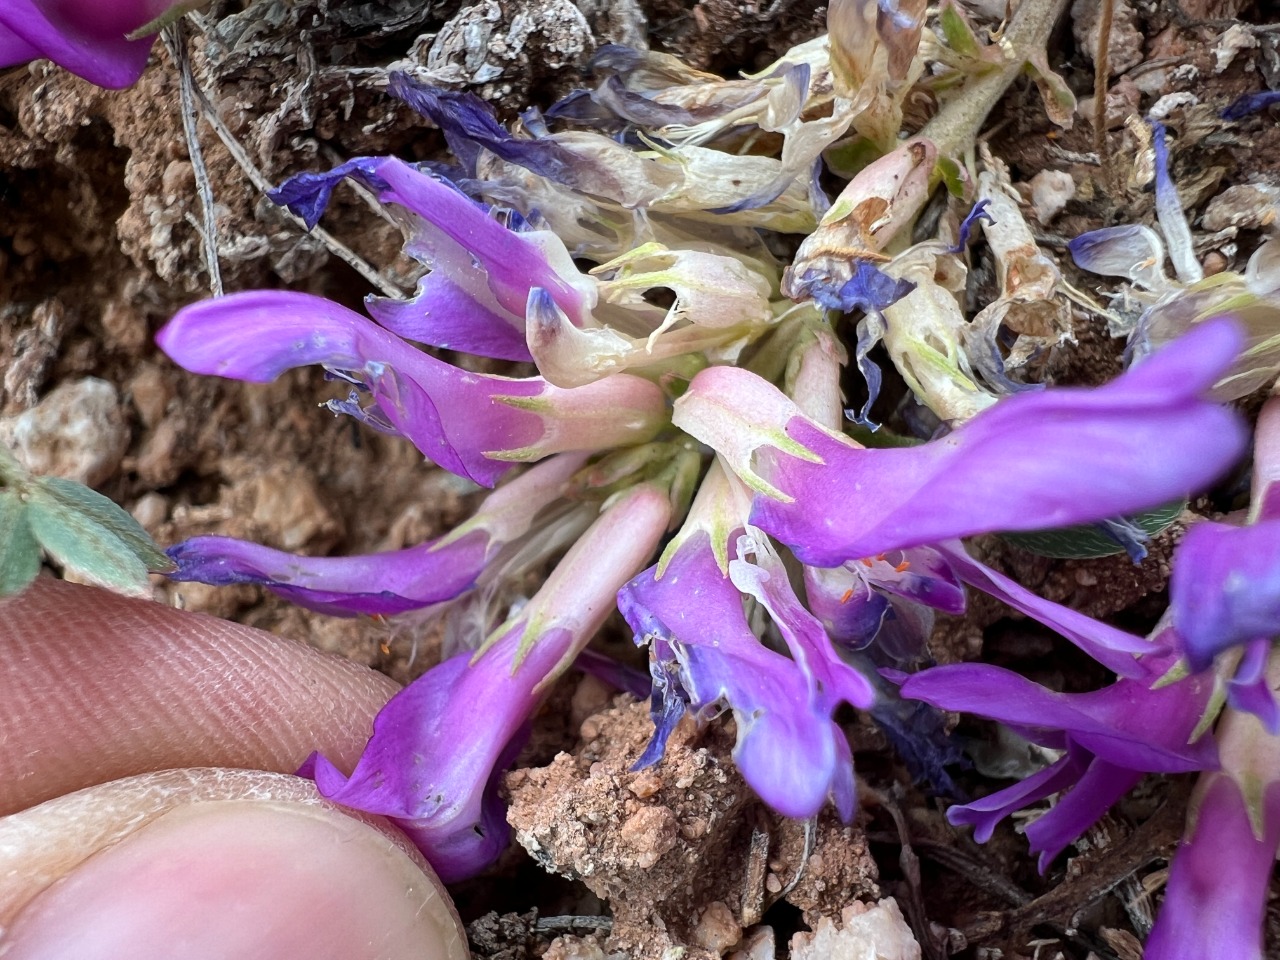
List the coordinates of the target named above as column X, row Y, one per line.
column 177, row 46
column 957, row 124
column 1101, row 74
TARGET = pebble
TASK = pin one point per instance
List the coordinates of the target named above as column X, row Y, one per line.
column 78, row 431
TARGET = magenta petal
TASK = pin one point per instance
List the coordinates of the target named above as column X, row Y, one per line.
column 1110, row 646
column 929, row 579
column 383, row 583
column 1225, row 587
column 452, row 416
column 108, row 61
column 1126, row 723
column 766, row 579
column 788, row 748
column 13, row 49
column 482, row 272
column 442, row 314
column 513, row 264
column 984, row 814
column 431, row 761
column 1097, row 790
column 1036, row 460
column 1216, row 899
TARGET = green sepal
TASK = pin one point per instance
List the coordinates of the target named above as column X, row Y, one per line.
column 957, row 32
column 170, row 16
column 1085, row 542
column 19, row 551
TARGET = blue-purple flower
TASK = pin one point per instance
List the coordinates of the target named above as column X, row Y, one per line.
column 1216, row 899
column 1032, row 461
column 440, row 744
column 1110, row 738
column 713, row 409
column 475, row 425
column 1224, row 592
column 385, row 584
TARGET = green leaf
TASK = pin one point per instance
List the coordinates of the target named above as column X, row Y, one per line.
column 84, row 547
column 953, row 176
column 957, row 32
column 1086, row 542
column 108, row 515
column 19, row 552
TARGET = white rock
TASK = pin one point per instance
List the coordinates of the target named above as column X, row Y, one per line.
column 866, row 932
column 1051, row 190
column 78, row 431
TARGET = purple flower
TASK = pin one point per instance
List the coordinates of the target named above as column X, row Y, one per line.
column 439, row 746
column 1241, row 107
column 388, row 583
column 1225, row 587
column 473, row 425
column 1111, row 738
column 88, row 37
column 1218, row 884
column 885, row 599
column 1216, row 899
column 482, row 273
column 1031, row 461
column 705, row 656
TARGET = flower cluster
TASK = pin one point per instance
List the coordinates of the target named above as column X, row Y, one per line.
column 682, row 453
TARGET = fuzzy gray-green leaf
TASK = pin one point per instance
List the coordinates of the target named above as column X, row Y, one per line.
column 1086, row 542
column 84, row 547
column 19, row 552
column 107, row 514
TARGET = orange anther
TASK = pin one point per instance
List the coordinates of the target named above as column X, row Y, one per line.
column 848, row 595
column 902, row 566
column 385, row 648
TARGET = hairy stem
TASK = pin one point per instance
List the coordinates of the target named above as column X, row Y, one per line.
column 959, row 121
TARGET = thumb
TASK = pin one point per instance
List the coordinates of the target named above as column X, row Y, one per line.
column 111, row 694
column 206, row 863
column 99, row 686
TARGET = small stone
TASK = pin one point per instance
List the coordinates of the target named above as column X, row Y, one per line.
column 1215, row 263
column 1051, row 190
column 78, row 431
column 151, row 511
column 645, row 784
column 285, row 500
column 590, row 697
column 717, row 929
column 866, row 932
column 1245, row 206
column 150, row 393
column 759, row 944
column 575, row 948
column 648, row 834
column 1086, row 578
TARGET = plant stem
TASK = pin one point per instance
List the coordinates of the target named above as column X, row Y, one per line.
column 958, row 123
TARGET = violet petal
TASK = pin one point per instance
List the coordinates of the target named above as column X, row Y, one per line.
column 1225, row 587
column 1092, row 459
column 107, row 60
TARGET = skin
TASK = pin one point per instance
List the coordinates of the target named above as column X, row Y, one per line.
column 151, row 812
